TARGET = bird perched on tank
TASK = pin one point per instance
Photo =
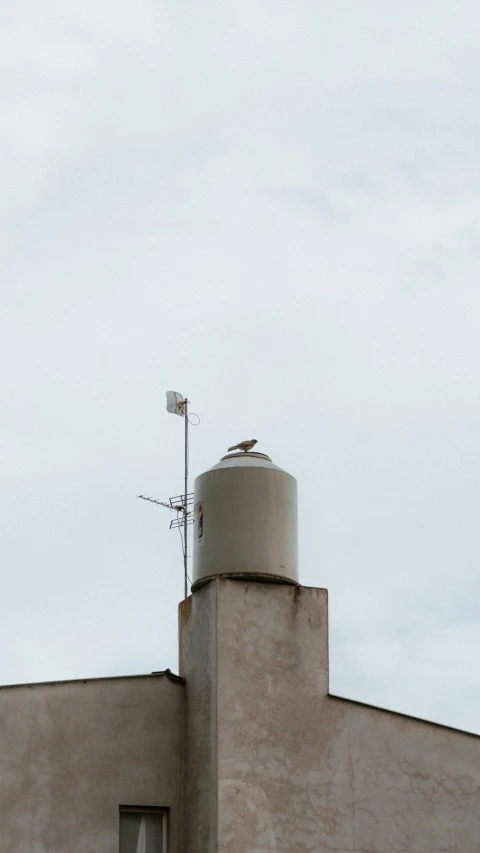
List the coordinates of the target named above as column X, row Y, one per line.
column 244, row 445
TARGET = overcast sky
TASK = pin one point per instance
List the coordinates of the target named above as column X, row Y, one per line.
column 272, row 207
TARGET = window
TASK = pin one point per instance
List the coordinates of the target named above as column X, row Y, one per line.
column 143, row 830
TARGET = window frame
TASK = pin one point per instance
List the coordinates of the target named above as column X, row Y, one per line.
column 142, row 810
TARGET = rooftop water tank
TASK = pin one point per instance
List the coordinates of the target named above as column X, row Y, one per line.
column 245, row 521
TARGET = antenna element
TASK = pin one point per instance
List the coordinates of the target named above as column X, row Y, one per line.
column 178, row 405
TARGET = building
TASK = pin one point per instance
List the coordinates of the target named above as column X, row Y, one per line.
column 246, row 751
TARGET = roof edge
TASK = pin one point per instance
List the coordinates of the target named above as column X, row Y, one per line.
column 401, row 714
column 164, row 672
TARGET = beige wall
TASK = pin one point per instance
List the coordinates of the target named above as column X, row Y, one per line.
column 298, row 770
column 198, row 658
column 387, row 782
column 264, row 659
column 72, row 752
column 272, row 762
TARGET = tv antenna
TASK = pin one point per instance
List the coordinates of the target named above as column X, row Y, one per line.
column 181, row 504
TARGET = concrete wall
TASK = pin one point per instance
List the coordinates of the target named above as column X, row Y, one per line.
column 293, row 769
column 251, row 755
column 198, row 658
column 272, row 676
column 262, row 650
column 72, row 752
column 387, row 782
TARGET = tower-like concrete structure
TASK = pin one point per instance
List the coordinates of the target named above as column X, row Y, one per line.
column 273, row 762
column 254, row 657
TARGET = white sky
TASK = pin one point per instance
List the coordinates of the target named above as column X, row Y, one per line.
column 271, row 206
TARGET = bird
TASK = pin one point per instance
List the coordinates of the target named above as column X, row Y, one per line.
column 244, row 445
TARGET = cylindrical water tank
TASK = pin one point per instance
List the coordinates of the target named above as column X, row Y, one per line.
column 245, row 521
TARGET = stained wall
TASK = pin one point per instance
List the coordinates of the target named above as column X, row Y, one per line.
column 72, row 752
column 296, row 769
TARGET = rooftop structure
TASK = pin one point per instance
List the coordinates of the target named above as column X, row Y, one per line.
column 245, row 751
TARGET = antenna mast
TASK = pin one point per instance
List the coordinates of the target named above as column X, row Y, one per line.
column 181, row 504
column 185, row 514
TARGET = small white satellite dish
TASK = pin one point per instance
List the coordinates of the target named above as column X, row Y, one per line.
column 175, row 403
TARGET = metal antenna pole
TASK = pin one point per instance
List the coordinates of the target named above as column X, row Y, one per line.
column 185, row 525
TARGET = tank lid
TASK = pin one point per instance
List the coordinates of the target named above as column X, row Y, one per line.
column 251, row 459
column 243, row 455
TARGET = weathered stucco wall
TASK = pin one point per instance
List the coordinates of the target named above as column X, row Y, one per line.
column 272, row 762
column 272, row 677
column 386, row 782
column 72, row 752
column 299, row 770
column 198, row 665
column 257, row 654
